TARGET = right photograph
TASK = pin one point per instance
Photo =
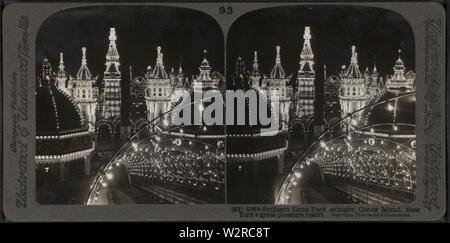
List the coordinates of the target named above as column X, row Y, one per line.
column 339, row 83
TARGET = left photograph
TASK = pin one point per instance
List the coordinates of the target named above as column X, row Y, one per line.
column 108, row 82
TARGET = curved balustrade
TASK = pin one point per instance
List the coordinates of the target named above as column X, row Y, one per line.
column 156, row 155
column 382, row 155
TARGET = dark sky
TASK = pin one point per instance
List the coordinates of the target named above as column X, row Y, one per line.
column 140, row 29
column 374, row 31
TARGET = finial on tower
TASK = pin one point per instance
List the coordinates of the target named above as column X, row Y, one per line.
column 83, row 56
column 354, row 58
column 307, row 33
column 61, row 61
column 159, row 55
column 278, row 58
column 375, row 64
column 112, row 34
column 255, row 59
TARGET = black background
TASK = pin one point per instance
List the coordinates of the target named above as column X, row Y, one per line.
column 140, row 29
column 377, row 34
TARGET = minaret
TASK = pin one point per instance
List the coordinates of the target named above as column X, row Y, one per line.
column 277, row 70
column 353, row 91
column 306, row 78
column 159, row 72
column 84, row 92
column 399, row 82
column 112, row 77
column 204, row 79
column 256, row 75
column 61, row 76
column 277, row 85
column 180, row 75
column 159, row 88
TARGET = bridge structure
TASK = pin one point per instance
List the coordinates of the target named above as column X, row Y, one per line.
column 370, row 159
column 163, row 163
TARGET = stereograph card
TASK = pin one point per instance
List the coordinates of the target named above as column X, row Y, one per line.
column 224, row 111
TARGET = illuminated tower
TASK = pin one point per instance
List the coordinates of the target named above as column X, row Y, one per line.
column 277, row 85
column 204, row 79
column 399, row 81
column 255, row 75
column 112, row 77
column 353, row 92
column 85, row 93
column 305, row 79
column 62, row 76
column 159, row 88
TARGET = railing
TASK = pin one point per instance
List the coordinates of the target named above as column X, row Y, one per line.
column 329, row 132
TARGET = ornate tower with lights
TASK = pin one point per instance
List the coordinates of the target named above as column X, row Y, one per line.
column 399, row 81
column 305, row 80
column 158, row 88
column 62, row 76
column 112, row 77
column 204, row 79
column 84, row 92
column 255, row 75
column 277, row 85
column 353, row 91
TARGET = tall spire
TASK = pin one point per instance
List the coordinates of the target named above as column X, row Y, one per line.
column 61, row 71
column 205, row 69
column 131, row 74
column 61, row 61
column 277, row 71
column 83, row 72
column 112, row 56
column 255, row 70
column 353, row 68
column 399, row 68
column 158, row 71
column 83, row 56
column 375, row 65
column 307, row 55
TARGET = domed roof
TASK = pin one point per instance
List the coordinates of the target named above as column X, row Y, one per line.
column 55, row 112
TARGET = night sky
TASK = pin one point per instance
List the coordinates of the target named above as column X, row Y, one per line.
column 186, row 33
column 140, row 29
column 374, row 31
